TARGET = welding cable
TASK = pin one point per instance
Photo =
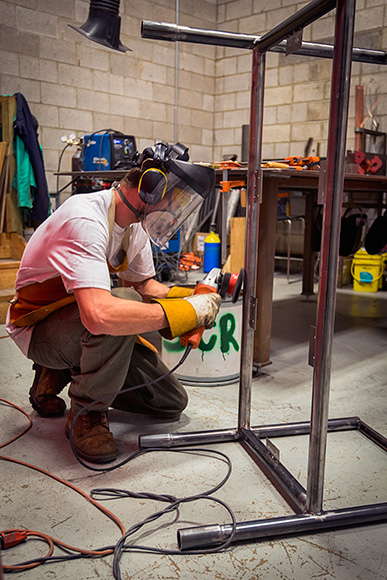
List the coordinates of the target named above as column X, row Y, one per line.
column 24, row 430
column 175, row 503
column 134, row 455
column 167, row 266
column 122, row 546
column 67, row 185
column 113, row 493
column 49, row 539
column 59, row 164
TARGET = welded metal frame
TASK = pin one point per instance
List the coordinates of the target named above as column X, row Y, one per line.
column 307, row 503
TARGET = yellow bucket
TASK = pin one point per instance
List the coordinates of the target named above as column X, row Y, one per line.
column 366, row 270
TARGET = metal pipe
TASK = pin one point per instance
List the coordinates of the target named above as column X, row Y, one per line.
column 193, row 438
column 223, row 227
column 173, row 33
column 303, row 428
column 289, row 486
column 209, row 536
column 254, row 187
column 176, row 96
column 373, row 435
column 229, row 435
column 215, row 210
column 325, row 317
column 297, row 21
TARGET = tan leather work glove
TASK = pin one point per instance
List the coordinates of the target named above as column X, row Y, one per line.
column 179, row 292
column 185, row 314
column 206, row 307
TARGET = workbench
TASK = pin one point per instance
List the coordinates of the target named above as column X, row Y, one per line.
column 363, row 191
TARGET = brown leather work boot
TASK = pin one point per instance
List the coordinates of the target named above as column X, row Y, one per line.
column 45, row 388
column 92, row 439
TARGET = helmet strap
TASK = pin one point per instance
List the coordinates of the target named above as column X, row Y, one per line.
column 126, row 202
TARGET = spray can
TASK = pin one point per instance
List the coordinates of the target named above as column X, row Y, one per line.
column 211, row 252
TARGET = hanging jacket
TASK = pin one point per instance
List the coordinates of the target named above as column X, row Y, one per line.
column 25, row 128
column 24, row 180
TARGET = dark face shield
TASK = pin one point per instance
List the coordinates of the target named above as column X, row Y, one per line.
column 175, row 197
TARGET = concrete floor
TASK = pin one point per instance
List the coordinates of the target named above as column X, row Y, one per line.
column 356, row 470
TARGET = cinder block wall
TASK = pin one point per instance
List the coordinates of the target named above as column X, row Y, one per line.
column 297, row 89
column 76, row 86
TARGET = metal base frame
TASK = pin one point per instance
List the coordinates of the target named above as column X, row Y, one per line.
column 252, row 439
column 306, row 503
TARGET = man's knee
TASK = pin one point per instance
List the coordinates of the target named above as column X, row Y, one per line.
column 180, row 400
column 171, row 402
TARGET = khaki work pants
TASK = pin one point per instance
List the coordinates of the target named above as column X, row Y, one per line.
column 102, row 366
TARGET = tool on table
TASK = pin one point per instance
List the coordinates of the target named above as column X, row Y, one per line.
column 279, row 165
column 304, row 162
column 225, row 284
column 295, row 162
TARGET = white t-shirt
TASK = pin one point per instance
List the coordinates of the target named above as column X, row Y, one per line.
column 74, row 243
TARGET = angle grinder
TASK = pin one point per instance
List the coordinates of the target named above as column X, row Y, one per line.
column 223, row 283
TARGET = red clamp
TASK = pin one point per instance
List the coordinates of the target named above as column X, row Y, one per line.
column 367, row 165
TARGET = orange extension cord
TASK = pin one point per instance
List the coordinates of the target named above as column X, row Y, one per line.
column 52, row 542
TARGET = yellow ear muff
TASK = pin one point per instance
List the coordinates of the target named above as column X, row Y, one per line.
column 152, row 185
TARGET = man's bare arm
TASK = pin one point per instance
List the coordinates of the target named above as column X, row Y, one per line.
column 148, row 288
column 102, row 313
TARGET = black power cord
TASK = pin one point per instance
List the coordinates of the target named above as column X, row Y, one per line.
column 122, row 545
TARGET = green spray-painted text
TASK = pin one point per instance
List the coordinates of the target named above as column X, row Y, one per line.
column 227, row 326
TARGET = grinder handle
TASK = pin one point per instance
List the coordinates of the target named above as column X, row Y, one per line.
column 194, row 337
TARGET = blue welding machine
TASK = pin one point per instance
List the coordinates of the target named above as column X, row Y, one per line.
column 106, row 151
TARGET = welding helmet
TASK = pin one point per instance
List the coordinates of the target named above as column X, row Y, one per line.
column 172, row 188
